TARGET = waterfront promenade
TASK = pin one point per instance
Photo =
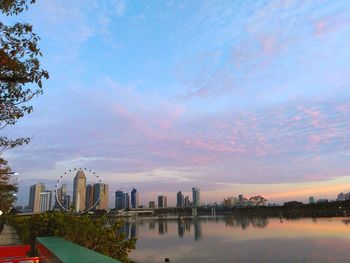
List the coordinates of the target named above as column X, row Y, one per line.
column 9, row 236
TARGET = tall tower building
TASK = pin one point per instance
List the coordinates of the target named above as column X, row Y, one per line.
column 118, row 199
column 89, row 200
column 34, row 197
column 45, row 201
column 196, row 194
column 134, row 198
column 100, row 190
column 66, row 202
column 126, row 201
column 187, row 201
column 180, row 199
column 162, row 201
column 61, row 194
column 79, row 191
column 152, row 204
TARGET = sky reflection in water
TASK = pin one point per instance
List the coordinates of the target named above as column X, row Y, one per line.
column 233, row 239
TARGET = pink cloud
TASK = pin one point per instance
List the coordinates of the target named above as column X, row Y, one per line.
column 329, row 24
column 315, row 139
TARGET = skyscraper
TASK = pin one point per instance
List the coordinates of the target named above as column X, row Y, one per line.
column 311, row 200
column 162, row 201
column 66, row 202
column 118, row 199
column 45, row 201
column 89, row 199
column 61, row 194
column 100, row 191
column 187, row 201
column 34, row 197
column 196, row 196
column 134, row 198
column 126, row 201
column 79, row 191
column 180, row 199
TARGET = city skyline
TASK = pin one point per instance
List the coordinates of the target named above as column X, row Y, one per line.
column 233, row 96
column 122, row 200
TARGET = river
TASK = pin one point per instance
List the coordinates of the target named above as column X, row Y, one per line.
column 239, row 239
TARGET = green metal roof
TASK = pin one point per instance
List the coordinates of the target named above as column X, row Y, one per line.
column 69, row 252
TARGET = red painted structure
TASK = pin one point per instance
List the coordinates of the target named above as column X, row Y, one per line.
column 16, row 254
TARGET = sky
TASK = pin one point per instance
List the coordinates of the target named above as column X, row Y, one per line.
column 235, row 97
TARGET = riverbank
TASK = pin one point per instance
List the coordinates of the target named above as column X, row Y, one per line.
column 288, row 210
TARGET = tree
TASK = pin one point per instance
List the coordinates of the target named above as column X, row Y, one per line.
column 92, row 233
column 21, row 74
column 8, row 187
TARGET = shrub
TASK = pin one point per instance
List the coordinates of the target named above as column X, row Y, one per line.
column 91, row 233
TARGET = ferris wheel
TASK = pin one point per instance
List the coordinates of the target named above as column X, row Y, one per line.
column 70, row 175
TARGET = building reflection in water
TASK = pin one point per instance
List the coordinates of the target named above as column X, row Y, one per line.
column 197, row 229
column 152, row 225
column 162, row 227
column 130, row 229
column 133, row 231
column 184, row 225
column 188, row 225
column 180, row 228
column 245, row 222
column 125, row 230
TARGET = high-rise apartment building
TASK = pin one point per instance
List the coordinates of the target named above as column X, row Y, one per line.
column 79, row 191
column 67, row 202
column 100, row 196
column 152, row 204
column 162, row 201
column 311, row 200
column 126, row 201
column 45, row 201
column 196, row 194
column 134, row 198
column 180, row 199
column 187, row 201
column 118, row 199
column 34, row 197
column 122, row 200
column 61, row 194
column 89, row 199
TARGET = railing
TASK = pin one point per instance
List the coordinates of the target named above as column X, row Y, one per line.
column 21, row 260
column 16, row 254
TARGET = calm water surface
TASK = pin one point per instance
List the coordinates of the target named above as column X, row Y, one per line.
column 233, row 239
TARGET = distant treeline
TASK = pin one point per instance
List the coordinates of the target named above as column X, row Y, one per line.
column 289, row 210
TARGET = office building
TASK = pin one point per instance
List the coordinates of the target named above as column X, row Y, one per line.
column 152, row 204
column 187, row 201
column 79, row 191
column 100, row 196
column 89, row 199
column 66, row 202
column 162, row 201
column 180, row 199
column 228, row 202
column 118, row 199
column 45, row 201
column 257, row 201
column 61, row 194
column 196, row 196
column 34, row 197
column 311, row 200
column 126, row 201
column 134, row 198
